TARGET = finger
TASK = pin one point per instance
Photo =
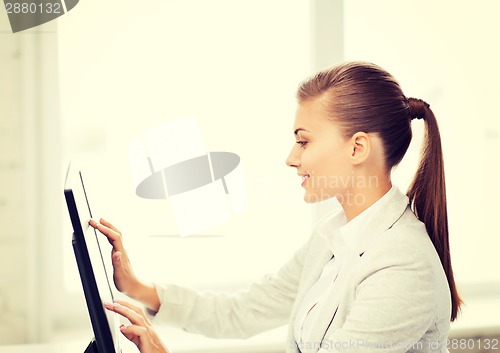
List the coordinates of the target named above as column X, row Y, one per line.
column 109, row 225
column 110, row 233
column 133, row 333
column 114, row 238
column 145, row 338
column 104, row 230
column 116, row 259
column 116, row 256
column 131, row 315
column 93, row 223
column 135, row 308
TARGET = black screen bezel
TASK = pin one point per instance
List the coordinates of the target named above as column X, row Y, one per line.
column 98, row 318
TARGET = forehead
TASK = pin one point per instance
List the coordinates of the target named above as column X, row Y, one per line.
column 311, row 115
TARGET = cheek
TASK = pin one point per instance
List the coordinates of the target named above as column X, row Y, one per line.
column 327, row 168
column 312, row 159
column 321, row 161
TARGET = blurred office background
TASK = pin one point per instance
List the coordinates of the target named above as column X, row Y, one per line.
column 82, row 87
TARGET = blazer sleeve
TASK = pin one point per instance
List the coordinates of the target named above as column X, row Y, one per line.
column 262, row 306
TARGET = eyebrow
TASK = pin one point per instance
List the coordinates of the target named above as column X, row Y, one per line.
column 299, row 129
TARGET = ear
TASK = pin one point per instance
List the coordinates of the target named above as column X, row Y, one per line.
column 360, row 144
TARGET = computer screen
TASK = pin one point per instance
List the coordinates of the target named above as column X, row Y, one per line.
column 89, row 257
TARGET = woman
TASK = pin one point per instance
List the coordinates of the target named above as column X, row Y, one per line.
column 375, row 275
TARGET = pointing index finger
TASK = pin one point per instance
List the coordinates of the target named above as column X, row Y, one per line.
column 114, row 236
column 134, row 317
column 133, row 307
column 109, row 225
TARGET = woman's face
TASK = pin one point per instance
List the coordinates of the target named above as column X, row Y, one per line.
column 321, row 154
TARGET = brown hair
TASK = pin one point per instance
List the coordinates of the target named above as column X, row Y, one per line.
column 364, row 97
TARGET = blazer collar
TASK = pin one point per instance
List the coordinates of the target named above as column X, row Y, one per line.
column 354, row 235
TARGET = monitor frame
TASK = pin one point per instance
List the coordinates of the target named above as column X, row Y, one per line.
column 103, row 339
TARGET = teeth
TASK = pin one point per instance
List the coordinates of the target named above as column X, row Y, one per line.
column 304, row 177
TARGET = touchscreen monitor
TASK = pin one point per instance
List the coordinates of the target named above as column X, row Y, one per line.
column 89, row 258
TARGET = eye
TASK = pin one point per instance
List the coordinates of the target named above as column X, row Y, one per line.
column 302, row 143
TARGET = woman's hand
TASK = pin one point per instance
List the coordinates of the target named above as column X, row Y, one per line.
column 123, row 275
column 140, row 332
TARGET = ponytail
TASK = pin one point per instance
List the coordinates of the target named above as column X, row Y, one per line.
column 427, row 193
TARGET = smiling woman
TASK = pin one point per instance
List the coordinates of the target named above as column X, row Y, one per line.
column 377, row 272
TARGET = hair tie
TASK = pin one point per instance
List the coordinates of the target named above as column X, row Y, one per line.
column 418, row 108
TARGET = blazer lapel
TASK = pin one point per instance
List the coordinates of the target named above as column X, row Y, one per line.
column 329, row 304
column 320, row 255
column 349, row 256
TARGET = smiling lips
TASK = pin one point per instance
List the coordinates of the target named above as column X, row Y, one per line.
column 304, row 178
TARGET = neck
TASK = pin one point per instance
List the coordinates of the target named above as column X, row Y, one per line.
column 359, row 199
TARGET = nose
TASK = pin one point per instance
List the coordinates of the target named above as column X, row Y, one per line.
column 293, row 159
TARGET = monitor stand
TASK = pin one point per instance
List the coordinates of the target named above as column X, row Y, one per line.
column 92, row 347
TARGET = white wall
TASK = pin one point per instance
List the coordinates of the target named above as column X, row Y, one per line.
column 30, row 150
column 236, row 66
column 13, row 272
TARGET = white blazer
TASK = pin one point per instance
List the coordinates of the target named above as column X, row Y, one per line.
column 393, row 298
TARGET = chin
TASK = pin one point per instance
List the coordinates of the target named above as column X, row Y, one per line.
column 308, row 200
column 311, row 198
column 315, row 198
